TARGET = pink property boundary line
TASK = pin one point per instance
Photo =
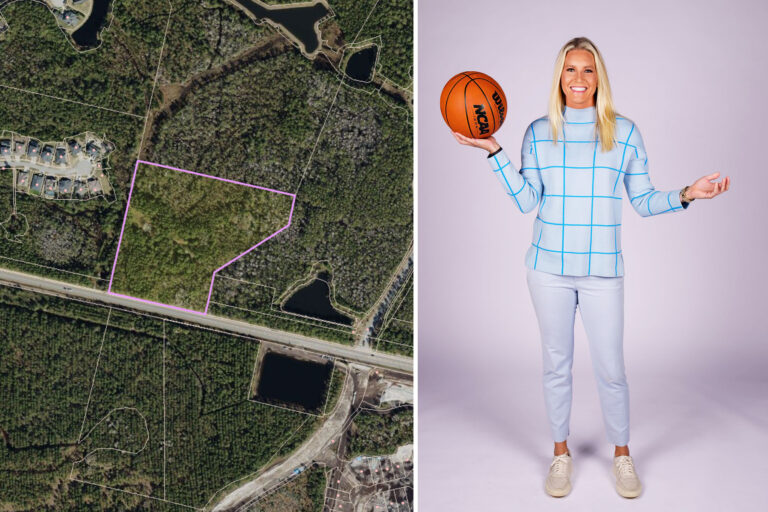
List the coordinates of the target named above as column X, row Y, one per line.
column 213, row 277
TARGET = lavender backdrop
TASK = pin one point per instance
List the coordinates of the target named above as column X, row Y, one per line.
column 693, row 76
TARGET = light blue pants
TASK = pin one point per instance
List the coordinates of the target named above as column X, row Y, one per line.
column 601, row 301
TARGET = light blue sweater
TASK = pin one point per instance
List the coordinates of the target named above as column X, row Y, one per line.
column 578, row 227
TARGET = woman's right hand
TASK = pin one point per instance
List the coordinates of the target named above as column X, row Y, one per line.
column 489, row 144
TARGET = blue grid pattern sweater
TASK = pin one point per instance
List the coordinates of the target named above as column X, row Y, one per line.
column 578, row 227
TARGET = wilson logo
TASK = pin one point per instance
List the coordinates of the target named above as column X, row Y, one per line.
column 499, row 106
column 482, row 119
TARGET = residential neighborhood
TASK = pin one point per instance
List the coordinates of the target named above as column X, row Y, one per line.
column 70, row 169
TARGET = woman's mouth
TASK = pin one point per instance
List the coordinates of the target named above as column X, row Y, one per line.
column 578, row 90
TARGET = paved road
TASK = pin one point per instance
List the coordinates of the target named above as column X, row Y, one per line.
column 303, row 456
column 357, row 354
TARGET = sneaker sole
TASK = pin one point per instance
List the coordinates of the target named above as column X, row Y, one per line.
column 628, row 494
column 558, row 493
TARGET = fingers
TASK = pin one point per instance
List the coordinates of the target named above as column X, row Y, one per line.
column 463, row 139
column 467, row 141
column 718, row 187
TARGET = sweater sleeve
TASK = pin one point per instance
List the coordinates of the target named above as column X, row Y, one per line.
column 523, row 186
column 643, row 196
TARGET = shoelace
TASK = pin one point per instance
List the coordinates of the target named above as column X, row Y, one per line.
column 558, row 466
column 626, row 468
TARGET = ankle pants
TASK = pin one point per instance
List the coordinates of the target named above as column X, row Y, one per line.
column 601, row 301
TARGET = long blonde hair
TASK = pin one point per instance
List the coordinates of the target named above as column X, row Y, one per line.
column 606, row 114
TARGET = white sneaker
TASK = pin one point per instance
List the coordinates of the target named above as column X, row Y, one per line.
column 627, row 482
column 558, row 482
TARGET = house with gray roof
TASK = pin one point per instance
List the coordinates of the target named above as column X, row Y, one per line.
column 22, row 179
column 50, row 187
column 46, row 154
column 92, row 149
column 33, row 148
column 60, row 157
column 37, row 183
column 65, row 186
column 94, row 187
column 74, row 147
column 81, row 189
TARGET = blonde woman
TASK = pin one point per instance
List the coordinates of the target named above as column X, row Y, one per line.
column 574, row 163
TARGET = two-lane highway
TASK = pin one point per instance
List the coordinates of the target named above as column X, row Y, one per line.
column 357, row 354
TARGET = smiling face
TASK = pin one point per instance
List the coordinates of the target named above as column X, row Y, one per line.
column 579, row 79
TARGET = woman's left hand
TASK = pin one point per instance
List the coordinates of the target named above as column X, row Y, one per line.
column 704, row 189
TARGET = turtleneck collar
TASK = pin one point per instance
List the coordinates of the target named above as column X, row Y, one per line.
column 579, row 115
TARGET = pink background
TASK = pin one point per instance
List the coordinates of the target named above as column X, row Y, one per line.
column 693, row 76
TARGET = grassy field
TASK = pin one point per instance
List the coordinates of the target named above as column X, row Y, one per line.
column 181, row 227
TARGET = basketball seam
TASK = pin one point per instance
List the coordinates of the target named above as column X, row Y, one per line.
column 498, row 89
column 448, row 96
column 465, row 107
column 472, row 80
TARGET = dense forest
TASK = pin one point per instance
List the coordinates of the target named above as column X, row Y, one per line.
column 182, row 227
column 396, row 332
column 196, row 380
column 353, row 208
column 74, row 236
column 390, row 19
column 375, row 432
column 37, row 56
column 235, row 100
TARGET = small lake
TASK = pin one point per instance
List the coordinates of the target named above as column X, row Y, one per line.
column 360, row 64
column 314, row 300
column 293, row 382
column 299, row 21
column 87, row 35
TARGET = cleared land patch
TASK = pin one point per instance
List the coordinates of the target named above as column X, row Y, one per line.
column 302, row 493
column 182, row 227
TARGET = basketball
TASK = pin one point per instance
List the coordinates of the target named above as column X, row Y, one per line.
column 473, row 104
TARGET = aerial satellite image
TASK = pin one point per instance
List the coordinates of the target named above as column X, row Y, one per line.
column 206, row 255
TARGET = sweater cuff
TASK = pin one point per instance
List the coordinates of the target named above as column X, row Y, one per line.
column 499, row 161
column 495, row 152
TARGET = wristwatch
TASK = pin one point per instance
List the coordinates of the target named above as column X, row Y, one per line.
column 683, row 197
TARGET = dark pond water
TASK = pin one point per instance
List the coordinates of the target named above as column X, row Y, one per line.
column 299, row 21
column 288, row 381
column 314, row 300
column 360, row 64
column 87, row 35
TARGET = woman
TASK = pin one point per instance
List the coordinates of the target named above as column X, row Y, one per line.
column 572, row 162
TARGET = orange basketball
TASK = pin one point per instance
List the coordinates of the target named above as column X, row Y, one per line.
column 473, row 104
